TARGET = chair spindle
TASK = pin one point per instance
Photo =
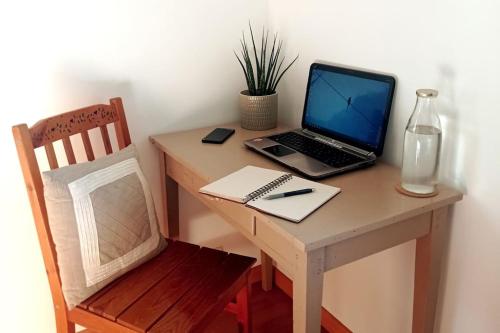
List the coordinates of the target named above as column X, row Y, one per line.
column 68, row 148
column 87, row 145
column 51, row 156
column 106, row 140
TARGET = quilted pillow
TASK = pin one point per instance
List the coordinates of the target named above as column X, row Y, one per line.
column 102, row 220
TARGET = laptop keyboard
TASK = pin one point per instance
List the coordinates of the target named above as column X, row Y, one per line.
column 320, row 151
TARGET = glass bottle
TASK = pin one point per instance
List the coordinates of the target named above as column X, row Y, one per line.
column 422, row 145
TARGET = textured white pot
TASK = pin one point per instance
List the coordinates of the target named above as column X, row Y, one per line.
column 258, row 113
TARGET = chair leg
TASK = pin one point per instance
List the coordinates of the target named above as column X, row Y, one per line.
column 244, row 313
column 65, row 326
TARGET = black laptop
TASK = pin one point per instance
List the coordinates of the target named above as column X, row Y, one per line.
column 344, row 123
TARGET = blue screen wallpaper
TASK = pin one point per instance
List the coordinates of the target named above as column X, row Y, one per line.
column 349, row 105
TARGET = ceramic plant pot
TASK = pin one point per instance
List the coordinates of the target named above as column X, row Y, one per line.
column 258, row 113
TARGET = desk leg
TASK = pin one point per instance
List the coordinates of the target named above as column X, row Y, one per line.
column 429, row 251
column 267, row 271
column 308, row 291
column 170, row 200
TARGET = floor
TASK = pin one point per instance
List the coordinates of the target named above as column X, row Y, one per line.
column 271, row 311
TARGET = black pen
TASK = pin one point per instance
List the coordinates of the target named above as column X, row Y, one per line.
column 289, row 194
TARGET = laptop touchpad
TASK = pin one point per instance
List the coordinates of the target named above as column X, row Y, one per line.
column 279, row 150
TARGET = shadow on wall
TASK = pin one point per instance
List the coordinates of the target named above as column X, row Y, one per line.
column 457, row 141
column 457, row 147
column 157, row 113
column 72, row 91
column 460, row 256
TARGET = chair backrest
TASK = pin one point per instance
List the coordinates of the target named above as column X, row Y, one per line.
column 43, row 134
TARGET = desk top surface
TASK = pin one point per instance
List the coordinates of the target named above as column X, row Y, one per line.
column 368, row 200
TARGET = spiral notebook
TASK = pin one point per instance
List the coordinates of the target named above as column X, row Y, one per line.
column 250, row 184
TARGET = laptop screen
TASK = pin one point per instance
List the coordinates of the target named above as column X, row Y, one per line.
column 349, row 105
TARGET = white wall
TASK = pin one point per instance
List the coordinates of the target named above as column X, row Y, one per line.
column 449, row 45
column 171, row 61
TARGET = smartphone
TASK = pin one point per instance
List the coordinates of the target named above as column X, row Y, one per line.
column 218, row 135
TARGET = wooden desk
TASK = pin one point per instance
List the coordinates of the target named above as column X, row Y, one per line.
column 367, row 217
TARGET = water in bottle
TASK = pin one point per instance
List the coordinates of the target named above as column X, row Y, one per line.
column 422, row 146
column 419, row 173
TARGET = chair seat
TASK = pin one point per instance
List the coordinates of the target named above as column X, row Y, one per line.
column 180, row 290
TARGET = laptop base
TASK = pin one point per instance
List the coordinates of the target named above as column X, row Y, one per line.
column 300, row 162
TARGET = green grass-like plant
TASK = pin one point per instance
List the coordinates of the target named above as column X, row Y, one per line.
column 262, row 77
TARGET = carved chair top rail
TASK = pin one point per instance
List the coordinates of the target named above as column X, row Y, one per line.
column 73, row 122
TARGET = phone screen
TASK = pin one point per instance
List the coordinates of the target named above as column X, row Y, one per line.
column 218, row 135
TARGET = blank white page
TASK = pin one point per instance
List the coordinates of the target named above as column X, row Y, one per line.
column 297, row 207
column 237, row 185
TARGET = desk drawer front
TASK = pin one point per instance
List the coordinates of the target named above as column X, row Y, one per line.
column 237, row 214
column 183, row 176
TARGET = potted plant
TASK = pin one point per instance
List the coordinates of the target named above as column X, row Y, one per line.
column 259, row 103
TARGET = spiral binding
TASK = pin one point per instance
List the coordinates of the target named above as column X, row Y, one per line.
column 268, row 187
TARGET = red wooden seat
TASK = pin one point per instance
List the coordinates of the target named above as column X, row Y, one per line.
column 181, row 290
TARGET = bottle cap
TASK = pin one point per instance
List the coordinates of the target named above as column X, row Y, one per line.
column 427, row 93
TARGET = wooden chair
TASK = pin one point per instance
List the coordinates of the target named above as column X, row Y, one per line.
column 180, row 290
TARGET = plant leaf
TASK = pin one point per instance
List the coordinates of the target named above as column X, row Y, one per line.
column 249, row 66
column 284, row 71
column 254, row 51
column 262, row 73
column 271, row 64
column 262, row 63
column 275, row 70
column 242, row 67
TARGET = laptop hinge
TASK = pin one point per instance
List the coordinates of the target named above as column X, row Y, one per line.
column 338, row 144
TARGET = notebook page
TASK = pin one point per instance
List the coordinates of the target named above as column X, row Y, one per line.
column 237, row 185
column 295, row 208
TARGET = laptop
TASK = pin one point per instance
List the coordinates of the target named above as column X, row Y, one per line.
column 344, row 122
